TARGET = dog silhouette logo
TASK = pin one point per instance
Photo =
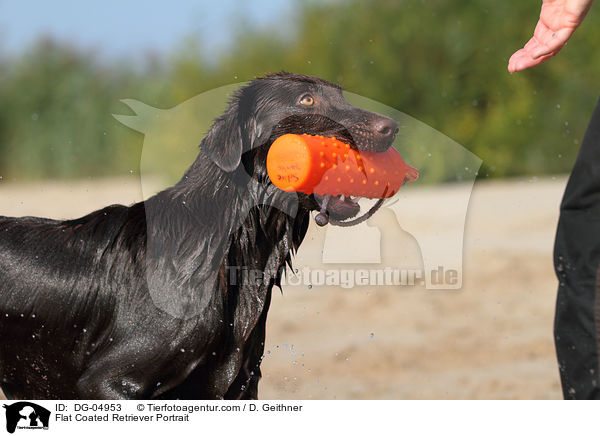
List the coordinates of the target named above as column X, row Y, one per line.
column 26, row 415
column 419, row 231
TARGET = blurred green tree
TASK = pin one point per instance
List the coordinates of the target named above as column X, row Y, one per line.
column 442, row 62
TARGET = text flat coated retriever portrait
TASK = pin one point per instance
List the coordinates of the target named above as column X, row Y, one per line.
column 148, row 301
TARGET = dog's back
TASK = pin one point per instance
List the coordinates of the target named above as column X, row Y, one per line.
column 54, row 288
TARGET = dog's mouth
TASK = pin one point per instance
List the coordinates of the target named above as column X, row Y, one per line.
column 337, row 209
column 339, row 206
column 337, row 174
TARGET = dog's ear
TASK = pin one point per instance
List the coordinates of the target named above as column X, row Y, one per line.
column 239, row 129
column 261, row 116
column 224, row 141
column 258, row 132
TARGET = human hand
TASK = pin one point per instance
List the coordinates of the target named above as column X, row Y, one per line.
column 558, row 20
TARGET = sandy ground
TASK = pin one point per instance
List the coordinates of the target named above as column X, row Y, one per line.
column 490, row 339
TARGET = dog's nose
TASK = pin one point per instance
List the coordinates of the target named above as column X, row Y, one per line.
column 386, row 127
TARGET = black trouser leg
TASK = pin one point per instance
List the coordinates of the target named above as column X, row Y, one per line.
column 576, row 260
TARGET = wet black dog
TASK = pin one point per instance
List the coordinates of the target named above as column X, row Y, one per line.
column 151, row 300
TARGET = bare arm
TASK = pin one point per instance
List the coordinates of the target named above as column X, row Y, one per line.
column 558, row 20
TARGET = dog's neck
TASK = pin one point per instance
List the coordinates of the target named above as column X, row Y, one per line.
column 251, row 224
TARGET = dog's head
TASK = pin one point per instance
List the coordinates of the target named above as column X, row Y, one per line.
column 284, row 103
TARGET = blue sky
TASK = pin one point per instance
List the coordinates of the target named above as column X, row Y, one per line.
column 128, row 28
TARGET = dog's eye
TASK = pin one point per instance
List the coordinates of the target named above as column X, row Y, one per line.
column 307, row 100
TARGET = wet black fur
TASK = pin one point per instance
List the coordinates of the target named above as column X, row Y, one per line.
column 79, row 317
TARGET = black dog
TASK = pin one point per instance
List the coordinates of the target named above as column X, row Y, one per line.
column 151, row 300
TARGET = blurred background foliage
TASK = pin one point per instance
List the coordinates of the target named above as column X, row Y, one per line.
column 442, row 62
